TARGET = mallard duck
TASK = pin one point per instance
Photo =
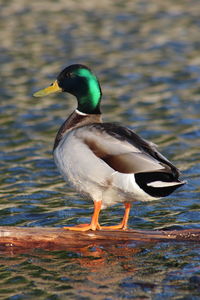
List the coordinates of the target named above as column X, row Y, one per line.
column 106, row 161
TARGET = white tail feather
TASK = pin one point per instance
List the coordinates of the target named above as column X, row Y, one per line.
column 157, row 184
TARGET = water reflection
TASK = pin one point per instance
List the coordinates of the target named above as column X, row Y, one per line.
column 111, row 271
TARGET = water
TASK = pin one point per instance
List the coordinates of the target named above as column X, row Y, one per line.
column 146, row 55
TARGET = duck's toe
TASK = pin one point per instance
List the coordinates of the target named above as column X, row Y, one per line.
column 84, row 227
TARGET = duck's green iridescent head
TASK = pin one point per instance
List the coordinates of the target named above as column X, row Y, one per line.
column 79, row 81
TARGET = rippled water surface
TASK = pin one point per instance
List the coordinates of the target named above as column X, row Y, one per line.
column 147, row 57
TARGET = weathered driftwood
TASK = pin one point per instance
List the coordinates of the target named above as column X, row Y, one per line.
column 59, row 238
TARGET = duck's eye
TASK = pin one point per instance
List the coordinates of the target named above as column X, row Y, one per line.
column 70, row 75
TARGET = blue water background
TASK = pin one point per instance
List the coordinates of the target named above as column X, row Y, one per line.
column 146, row 55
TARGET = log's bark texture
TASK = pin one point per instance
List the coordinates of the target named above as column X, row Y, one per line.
column 61, row 239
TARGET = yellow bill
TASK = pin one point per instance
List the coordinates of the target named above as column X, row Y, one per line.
column 53, row 88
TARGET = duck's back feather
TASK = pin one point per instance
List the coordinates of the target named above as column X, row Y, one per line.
column 124, row 150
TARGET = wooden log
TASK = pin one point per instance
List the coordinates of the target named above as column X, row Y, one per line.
column 61, row 239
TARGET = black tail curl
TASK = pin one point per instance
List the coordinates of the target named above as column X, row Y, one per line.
column 142, row 179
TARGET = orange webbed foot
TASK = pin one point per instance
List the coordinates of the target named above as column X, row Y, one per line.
column 94, row 225
column 114, row 227
column 84, row 227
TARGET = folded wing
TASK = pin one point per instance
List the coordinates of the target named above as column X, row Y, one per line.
column 124, row 151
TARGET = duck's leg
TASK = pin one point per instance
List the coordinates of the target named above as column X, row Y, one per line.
column 123, row 224
column 94, row 224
